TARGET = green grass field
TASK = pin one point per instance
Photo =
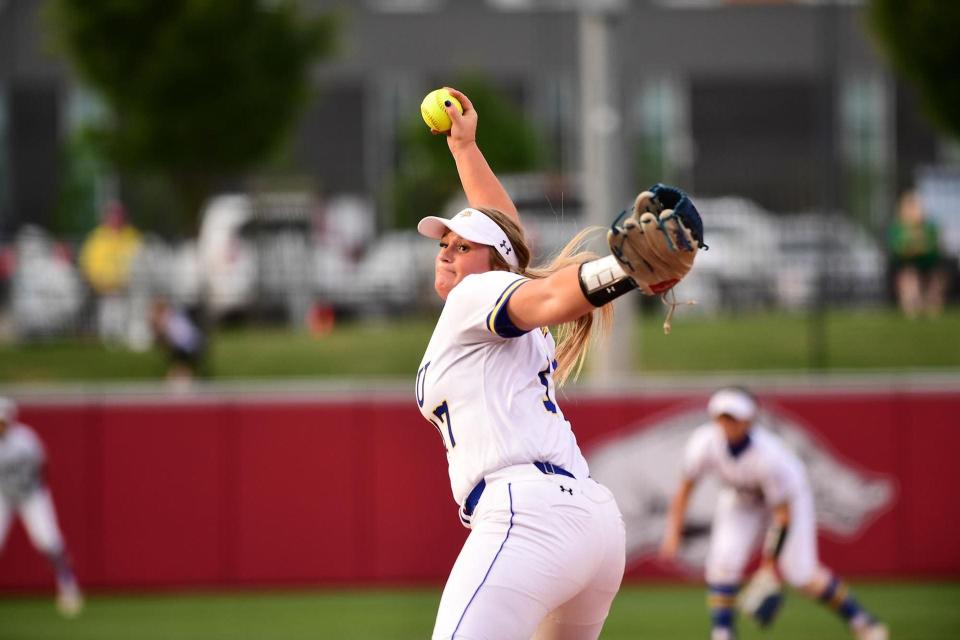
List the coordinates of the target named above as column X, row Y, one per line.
column 858, row 341
column 925, row 611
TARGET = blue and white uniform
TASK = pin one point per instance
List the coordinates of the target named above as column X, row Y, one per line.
column 759, row 474
column 24, row 493
column 546, row 548
column 22, row 490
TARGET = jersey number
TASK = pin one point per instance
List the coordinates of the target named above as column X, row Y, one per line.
column 544, row 375
column 442, row 412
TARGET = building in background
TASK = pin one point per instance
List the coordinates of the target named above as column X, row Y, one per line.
column 752, row 103
column 786, row 108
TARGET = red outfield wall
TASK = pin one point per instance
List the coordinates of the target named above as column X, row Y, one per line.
column 225, row 491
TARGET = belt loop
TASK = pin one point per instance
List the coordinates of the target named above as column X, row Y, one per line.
column 550, row 469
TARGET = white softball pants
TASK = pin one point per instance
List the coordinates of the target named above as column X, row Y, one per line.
column 544, row 560
column 39, row 519
column 738, row 528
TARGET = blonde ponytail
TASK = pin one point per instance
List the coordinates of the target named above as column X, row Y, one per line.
column 573, row 338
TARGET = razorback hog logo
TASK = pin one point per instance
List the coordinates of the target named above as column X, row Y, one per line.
column 642, row 469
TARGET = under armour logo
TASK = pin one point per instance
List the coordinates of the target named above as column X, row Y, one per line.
column 563, row 488
column 506, row 249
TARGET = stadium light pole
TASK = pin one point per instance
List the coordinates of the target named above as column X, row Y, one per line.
column 829, row 191
column 602, row 167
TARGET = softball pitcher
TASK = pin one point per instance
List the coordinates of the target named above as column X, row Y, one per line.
column 545, row 555
column 765, row 490
column 23, row 492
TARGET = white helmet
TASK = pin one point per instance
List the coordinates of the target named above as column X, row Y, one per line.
column 734, row 402
column 8, row 410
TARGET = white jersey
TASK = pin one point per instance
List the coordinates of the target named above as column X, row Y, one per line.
column 764, row 470
column 488, row 387
column 21, row 461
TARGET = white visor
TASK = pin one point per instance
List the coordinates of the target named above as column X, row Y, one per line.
column 8, row 410
column 734, row 403
column 472, row 225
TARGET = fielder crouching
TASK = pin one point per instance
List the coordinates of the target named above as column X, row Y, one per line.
column 765, row 485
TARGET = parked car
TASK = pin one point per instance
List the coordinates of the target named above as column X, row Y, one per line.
column 46, row 291
column 279, row 232
column 396, row 275
column 256, row 255
column 739, row 269
column 939, row 188
column 228, row 265
column 829, row 256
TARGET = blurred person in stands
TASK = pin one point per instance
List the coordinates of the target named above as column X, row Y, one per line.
column 105, row 260
column 181, row 337
column 919, row 277
column 24, row 493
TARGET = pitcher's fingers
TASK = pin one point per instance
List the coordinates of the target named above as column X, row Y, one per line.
column 456, row 118
column 462, row 98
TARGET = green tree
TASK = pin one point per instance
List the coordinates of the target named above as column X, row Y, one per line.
column 922, row 40
column 198, row 90
column 427, row 177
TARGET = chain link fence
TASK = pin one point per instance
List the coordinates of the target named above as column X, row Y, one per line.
column 283, row 259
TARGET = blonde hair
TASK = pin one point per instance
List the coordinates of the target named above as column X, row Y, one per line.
column 575, row 337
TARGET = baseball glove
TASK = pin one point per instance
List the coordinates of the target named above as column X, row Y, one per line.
column 762, row 596
column 657, row 242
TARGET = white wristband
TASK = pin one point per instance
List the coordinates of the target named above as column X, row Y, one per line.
column 603, row 280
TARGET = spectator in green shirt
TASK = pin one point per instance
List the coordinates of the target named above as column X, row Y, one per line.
column 914, row 244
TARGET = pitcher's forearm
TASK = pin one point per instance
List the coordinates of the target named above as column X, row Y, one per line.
column 480, row 184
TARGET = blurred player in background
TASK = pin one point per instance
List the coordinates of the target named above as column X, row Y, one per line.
column 181, row 338
column 545, row 556
column 765, row 488
column 23, row 492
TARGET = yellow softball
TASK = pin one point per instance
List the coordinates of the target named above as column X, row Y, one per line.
column 433, row 111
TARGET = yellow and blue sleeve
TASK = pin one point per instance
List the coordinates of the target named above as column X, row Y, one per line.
column 498, row 320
